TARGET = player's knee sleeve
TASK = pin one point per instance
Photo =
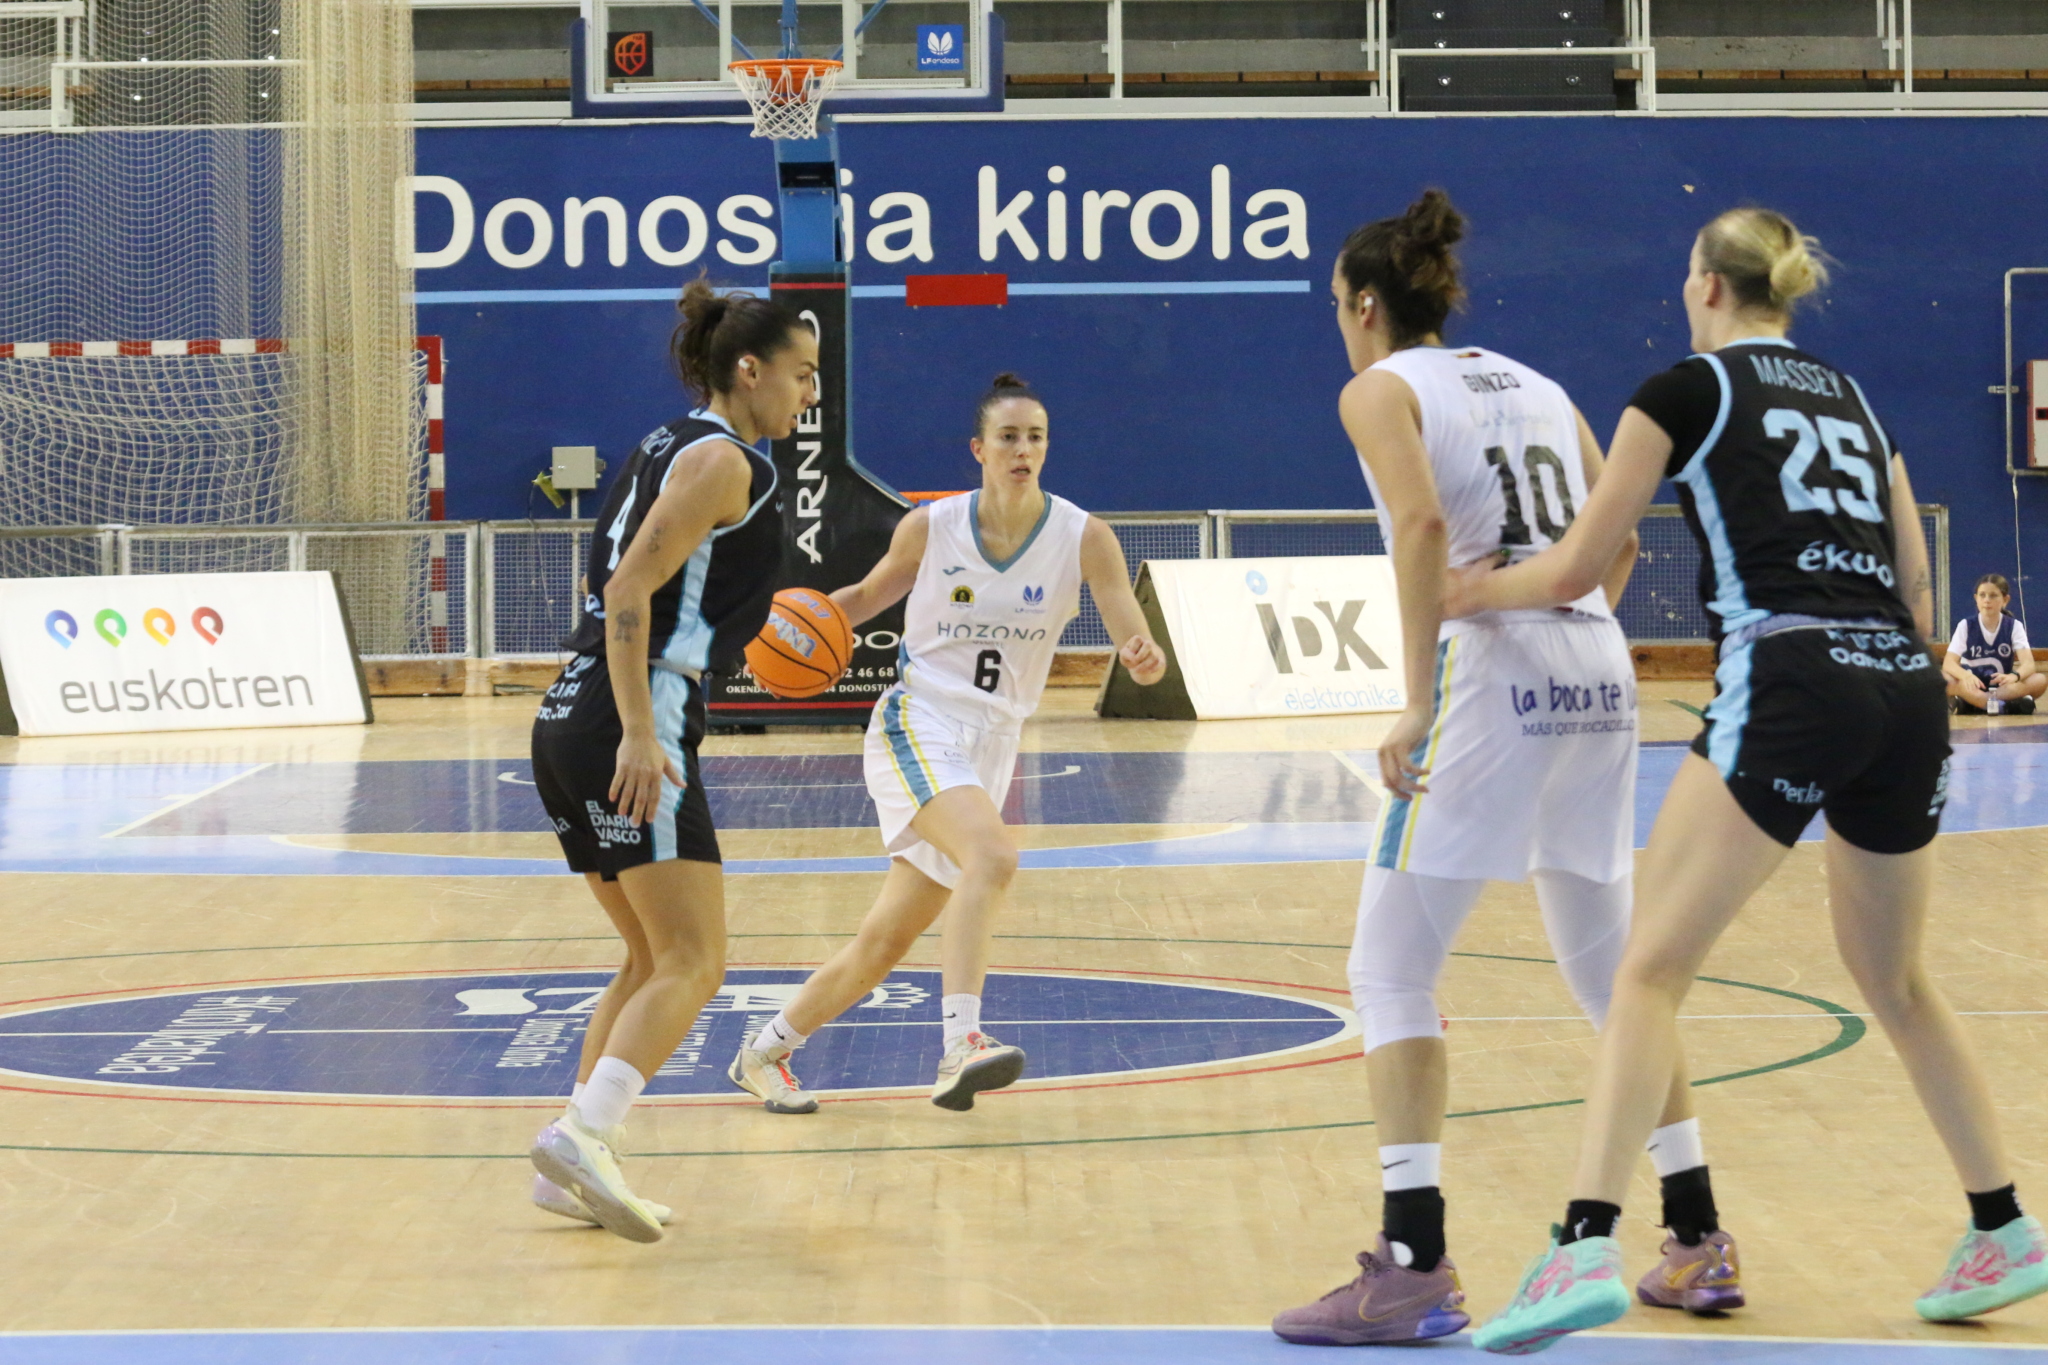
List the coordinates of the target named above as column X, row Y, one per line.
column 1587, row 922
column 1405, row 927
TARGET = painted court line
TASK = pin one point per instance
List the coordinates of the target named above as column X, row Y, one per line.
column 1137, row 1345
column 182, row 801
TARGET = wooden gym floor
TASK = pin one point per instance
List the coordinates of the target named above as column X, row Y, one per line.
column 379, row 913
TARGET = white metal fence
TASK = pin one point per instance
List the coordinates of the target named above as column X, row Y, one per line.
column 408, row 585
column 1660, row 605
column 495, row 589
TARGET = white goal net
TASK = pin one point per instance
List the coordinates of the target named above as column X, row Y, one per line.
column 203, row 319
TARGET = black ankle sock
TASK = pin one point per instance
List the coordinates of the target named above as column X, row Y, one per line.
column 1588, row 1218
column 1993, row 1209
column 1415, row 1218
column 1689, row 1206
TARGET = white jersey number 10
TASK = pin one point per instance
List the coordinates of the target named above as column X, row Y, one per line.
column 1550, row 520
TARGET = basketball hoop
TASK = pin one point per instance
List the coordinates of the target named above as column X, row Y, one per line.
column 784, row 93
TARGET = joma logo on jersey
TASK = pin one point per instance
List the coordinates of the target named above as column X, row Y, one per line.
column 963, row 596
column 1308, row 636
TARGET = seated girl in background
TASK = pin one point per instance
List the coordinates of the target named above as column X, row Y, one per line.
column 1989, row 667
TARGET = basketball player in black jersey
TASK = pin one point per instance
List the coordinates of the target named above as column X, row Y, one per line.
column 682, row 570
column 1827, row 701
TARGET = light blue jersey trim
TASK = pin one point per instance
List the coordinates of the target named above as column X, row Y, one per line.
column 1728, row 713
column 1731, row 601
column 1394, row 816
column 671, row 696
column 689, row 645
column 974, row 521
column 907, row 763
column 1883, row 437
column 1763, row 341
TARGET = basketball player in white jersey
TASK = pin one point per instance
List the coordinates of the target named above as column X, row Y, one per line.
column 1514, row 761
column 993, row 578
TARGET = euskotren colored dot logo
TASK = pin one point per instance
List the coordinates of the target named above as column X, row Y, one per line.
column 112, row 627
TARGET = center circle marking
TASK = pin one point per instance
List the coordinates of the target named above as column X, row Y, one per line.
column 509, row 1035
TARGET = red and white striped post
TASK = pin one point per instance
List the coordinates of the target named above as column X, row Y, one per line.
column 437, row 467
column 56, row 350
column 437, row 503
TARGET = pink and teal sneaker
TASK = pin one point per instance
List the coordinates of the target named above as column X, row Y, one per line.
column 1989, row 1271
column 1568, row 1289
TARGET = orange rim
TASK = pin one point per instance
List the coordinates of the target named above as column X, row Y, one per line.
column 777, row 66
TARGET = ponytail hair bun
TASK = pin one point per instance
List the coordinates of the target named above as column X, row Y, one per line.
column 1003, row 387
column 716, row 330
column 1408, row 264
column 1768, row 262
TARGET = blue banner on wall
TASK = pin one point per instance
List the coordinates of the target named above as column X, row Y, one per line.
column 1168, row 281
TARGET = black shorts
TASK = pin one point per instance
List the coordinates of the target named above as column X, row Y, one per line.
column 1849, row 722
column 575, row 751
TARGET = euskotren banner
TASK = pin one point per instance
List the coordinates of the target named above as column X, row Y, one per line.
column 226, row 651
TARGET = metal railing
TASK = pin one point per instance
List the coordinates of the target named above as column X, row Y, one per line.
column 1660, row 605
column 499, row 589
column 532, row 587
column 407, row 585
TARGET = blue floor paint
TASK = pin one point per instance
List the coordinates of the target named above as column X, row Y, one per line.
column 912, row 1346
column 808, row 791
column 1283, row 807
column 518, row 1034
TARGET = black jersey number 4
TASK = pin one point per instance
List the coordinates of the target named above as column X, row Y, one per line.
column 1848, row 448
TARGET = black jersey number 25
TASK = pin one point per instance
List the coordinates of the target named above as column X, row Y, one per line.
column 988, row 669
column 1848, row 447
column 1514, row 529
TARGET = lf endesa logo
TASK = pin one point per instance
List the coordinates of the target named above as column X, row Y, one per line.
column 177, row 691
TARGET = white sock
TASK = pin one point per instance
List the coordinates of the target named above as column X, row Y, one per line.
column 778, row 1038
column 962, row 1016
column 1411, row 1165
column 609, row 1093
column 576, row 1092
column 1676, row 1147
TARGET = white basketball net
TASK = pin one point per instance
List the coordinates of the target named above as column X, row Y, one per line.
column 785, row 94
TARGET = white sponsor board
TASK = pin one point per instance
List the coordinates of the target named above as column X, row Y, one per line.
column 217, row 651
column 1284, row 637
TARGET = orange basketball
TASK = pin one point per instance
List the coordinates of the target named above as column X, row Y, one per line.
column 804, row 647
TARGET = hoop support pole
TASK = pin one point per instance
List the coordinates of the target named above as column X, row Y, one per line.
column 807, row 185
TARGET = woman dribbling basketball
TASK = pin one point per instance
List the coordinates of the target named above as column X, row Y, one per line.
column 681, row 572
column 992, row 578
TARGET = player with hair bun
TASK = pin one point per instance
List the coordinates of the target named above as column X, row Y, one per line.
column 681, row 570
column 992, row 580
column 1514, row 761
column 1827, row 701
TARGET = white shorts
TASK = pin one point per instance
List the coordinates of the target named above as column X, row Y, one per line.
column 1532, row 758
column 914, row 751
